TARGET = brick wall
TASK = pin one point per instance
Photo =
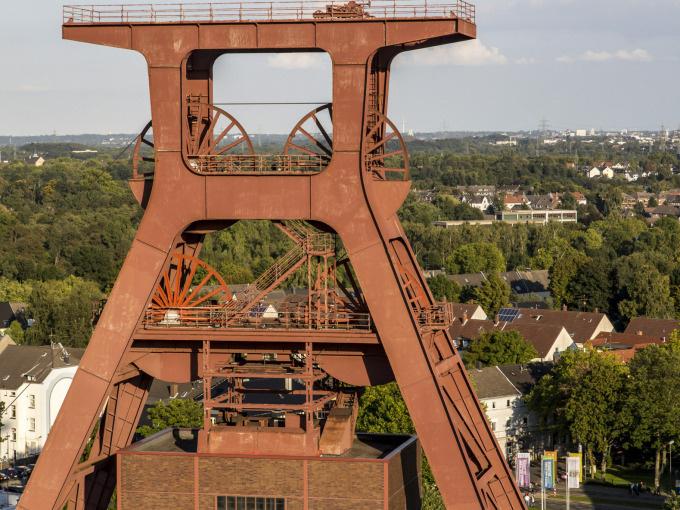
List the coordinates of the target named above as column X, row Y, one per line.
column 167, row 481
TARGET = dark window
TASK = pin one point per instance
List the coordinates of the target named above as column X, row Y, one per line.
column 250, row 503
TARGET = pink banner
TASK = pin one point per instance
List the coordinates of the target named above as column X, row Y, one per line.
column 523, row 473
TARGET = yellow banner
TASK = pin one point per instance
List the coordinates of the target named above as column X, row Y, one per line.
column 580, row 464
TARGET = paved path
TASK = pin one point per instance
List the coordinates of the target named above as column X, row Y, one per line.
column 597, row 497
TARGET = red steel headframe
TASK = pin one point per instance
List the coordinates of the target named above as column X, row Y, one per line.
column 200, row 186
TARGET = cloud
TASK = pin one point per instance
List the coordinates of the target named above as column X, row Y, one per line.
column 524, row 61
column 296, row 60
column 636, row 55
column 468, row 53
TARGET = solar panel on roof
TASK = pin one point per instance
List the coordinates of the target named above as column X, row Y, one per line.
column 508, row 314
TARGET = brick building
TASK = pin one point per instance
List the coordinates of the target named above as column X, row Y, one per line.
column 167, row 470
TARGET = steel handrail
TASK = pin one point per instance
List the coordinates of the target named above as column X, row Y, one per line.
column 221, row 317
column 264, row 11
column 258, row 163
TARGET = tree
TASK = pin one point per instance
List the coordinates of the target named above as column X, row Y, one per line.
column 177, row 413
column 585, row 395
column 444, row 289
column 475, row 258
column 672, row 502
column 382, row 410
column 653, row 398
column 609, row 201
column 499, row 348
column 563, row 270
column 16, row 332
column 493, row 294
column 62, row 311
column 591, row 287
column 643, row 290
column 11, row 290
column 567, row 201
column 652, row 202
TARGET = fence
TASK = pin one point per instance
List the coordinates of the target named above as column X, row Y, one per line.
column 265, row 11
column 219, row 317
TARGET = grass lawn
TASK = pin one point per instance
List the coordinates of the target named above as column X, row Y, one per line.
column 620, row 476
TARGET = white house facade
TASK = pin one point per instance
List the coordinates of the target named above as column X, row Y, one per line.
column 34, row 381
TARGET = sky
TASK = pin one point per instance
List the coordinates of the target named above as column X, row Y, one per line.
column 603, row 64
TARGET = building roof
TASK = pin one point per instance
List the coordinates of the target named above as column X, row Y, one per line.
column 624, row 339
column 514, row 199
column 658, row 328
column 581, row 326
column 21, row 364
column 623, row 345
column 9, row 311
column 161, row 390
column 464, row 311
column 525, row 377
column 490, row 382
column 543, row 201
column 541, row 336
column 666, row 210
column 521, row 282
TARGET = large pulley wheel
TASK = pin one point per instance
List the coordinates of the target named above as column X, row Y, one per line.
column 213, row 137
column 144, row 138
column 384, row 150
column 313, row 135
column 188, row 282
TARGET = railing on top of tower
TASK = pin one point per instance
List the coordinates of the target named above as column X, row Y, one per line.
column 281, row 10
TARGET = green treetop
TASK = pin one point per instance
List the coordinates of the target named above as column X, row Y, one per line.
column 499, row 348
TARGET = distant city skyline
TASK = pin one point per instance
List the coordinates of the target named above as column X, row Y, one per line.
column 611, row 65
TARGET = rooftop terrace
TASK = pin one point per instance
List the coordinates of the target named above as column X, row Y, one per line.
column 282, row 10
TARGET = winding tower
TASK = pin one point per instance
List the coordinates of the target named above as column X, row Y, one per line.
column 368, row 316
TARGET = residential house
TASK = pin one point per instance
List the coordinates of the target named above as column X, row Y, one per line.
column 657, row 328
column 603, row 169
column 36, row 160
column 501, row 402
column 34, row 381
column 579, row 197
column 663, row 211
column 477, row 190
column 467, row 311
column 11, row 311
column 545, row 202
column 514, row 200
column 581, row 326
column 593, row 172
column 521, row 282
column 501, row 391
column 480, row 202
column 549, row 340
column 623, row 345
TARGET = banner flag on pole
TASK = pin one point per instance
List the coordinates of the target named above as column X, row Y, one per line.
column 573, row 470
column 548, row 473
column 552, row 455
column 523, row 473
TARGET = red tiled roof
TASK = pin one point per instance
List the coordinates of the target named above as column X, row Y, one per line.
column 659, row 328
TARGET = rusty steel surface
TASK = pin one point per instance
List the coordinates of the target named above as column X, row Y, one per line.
column 367, row 317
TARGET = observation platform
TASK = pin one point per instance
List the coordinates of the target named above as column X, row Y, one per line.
column 264, row 12
column 281, row 25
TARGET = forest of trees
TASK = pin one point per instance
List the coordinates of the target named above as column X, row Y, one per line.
column 66, row 227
